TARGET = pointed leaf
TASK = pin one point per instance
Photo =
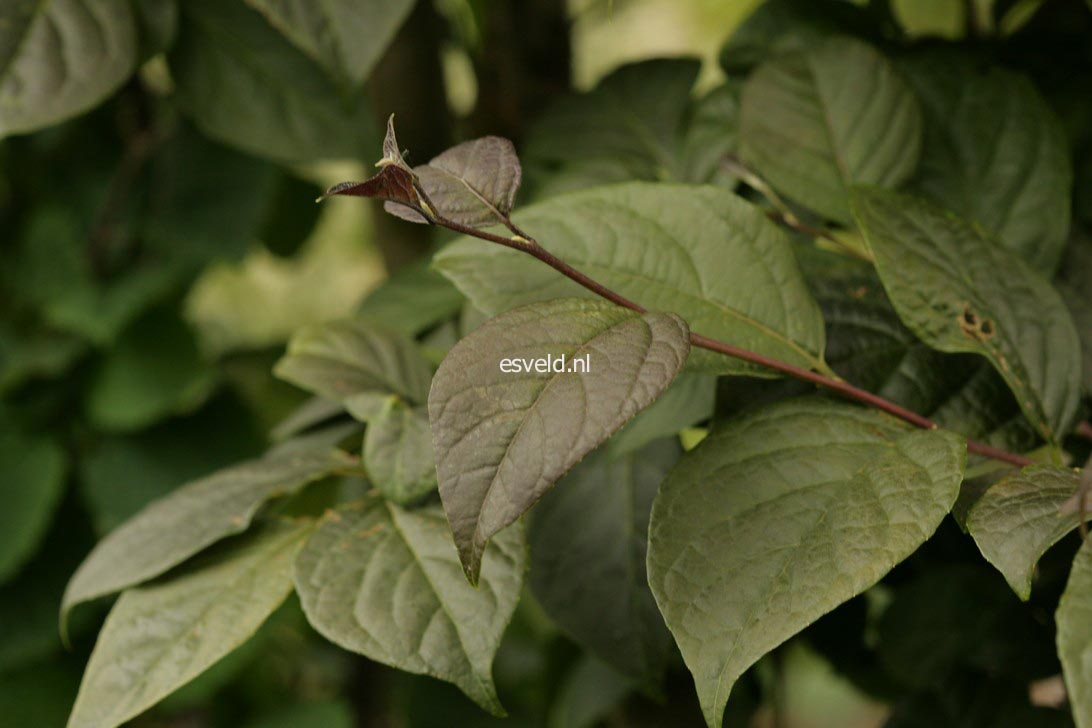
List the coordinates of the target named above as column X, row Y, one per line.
column 398, row 452
column 780, row 516
column 33, row 471
column 160, row 636
column 414, row 298
column 995, row 154
column 346, row 37
column 667, row 247
column 342, row 359
column 588, row 540
column 58, row 58
column 1074, row 618
column 959, row 291
column 503, row 438
column 394, row 185
column 815, row 123
column 245, row 85
column 193, row 517
column 1020, row 517
column 473, row 183
column 867, row 344
column 386, row 583
column 632, row 119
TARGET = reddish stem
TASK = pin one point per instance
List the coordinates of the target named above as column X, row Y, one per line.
column 526, row 244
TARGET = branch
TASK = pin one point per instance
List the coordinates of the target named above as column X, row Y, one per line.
column 526, row 244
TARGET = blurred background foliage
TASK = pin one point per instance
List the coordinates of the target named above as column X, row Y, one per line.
column 158, row 250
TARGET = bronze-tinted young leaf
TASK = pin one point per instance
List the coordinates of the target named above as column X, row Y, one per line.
column 960, row 291
column 392, row 184
column 1020, row 517
column 503, row 437
column 385, row 582
column 473, row 183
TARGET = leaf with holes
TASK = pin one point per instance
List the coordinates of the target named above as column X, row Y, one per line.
column 59, row 58
column 666, row 247
column 588, row 539
column 814, row 123
column 193, row 517
column 958, row 291
column 160, row 636
column 867, row 344
column 781, row 515
column 505, row 429
column 386, row 582
column 398, row 452
column 1020, row 517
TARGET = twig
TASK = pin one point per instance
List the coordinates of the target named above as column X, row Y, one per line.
column 526, row 244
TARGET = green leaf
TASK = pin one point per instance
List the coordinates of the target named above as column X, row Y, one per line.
column 398, row 452
column 207, row 201
column 344, row 359
column 632, row 119
column 782, row 515
column 245, row 85
column 588, row 540
column 711, row 134
column 191, row 518
column 473, row 183
column 1020, row 517
column 153, row 371
column 1075, row 285
column 868, row 345
column 59, row 58
column 503, row 438
column 667, row 247
column 815, row 123
column 413, row 299
column 688, row 401
column 120, row 474
column 958, row 291
column 995, row 154
column 37, row 352
column 1074, row 618
column 386, row 583
column 781, row 26
column 347, row 38
column 160, row 636
column 587, row 695
column 33, row 469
